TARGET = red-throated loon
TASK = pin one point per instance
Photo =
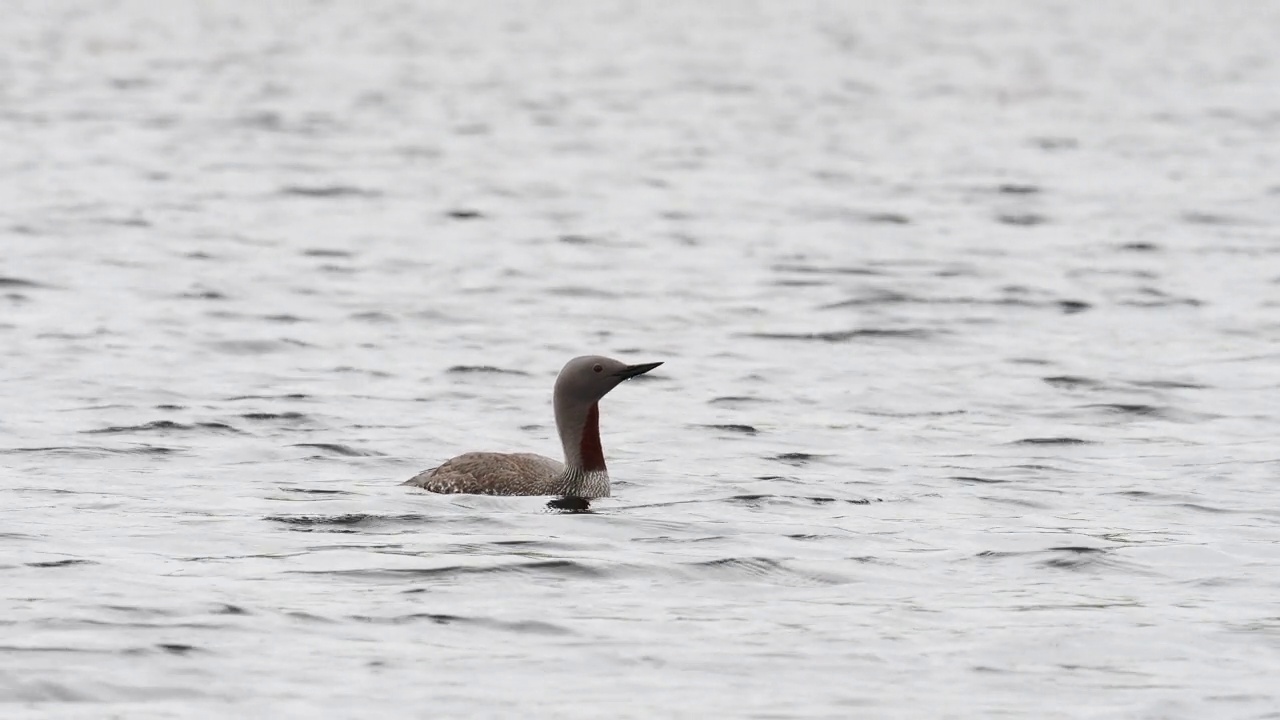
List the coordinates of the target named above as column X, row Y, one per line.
column 579, row 387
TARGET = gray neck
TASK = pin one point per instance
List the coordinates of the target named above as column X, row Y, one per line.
column 585, row 474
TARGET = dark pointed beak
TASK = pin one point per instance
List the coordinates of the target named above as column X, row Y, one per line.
column 631, row 371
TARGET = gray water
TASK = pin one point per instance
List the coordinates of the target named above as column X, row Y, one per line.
column 970, row 315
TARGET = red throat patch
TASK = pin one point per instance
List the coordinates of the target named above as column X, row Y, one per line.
column 592, row 453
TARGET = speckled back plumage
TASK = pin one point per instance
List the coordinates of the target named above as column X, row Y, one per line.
column 488, row 473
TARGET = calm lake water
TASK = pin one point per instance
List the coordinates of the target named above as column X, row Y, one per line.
column 970, row 316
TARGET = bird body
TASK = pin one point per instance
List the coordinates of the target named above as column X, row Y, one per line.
column 486, row 473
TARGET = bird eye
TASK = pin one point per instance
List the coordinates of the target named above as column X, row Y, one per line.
column 598, row 368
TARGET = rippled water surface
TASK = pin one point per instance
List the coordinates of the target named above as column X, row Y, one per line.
column 970, row 316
